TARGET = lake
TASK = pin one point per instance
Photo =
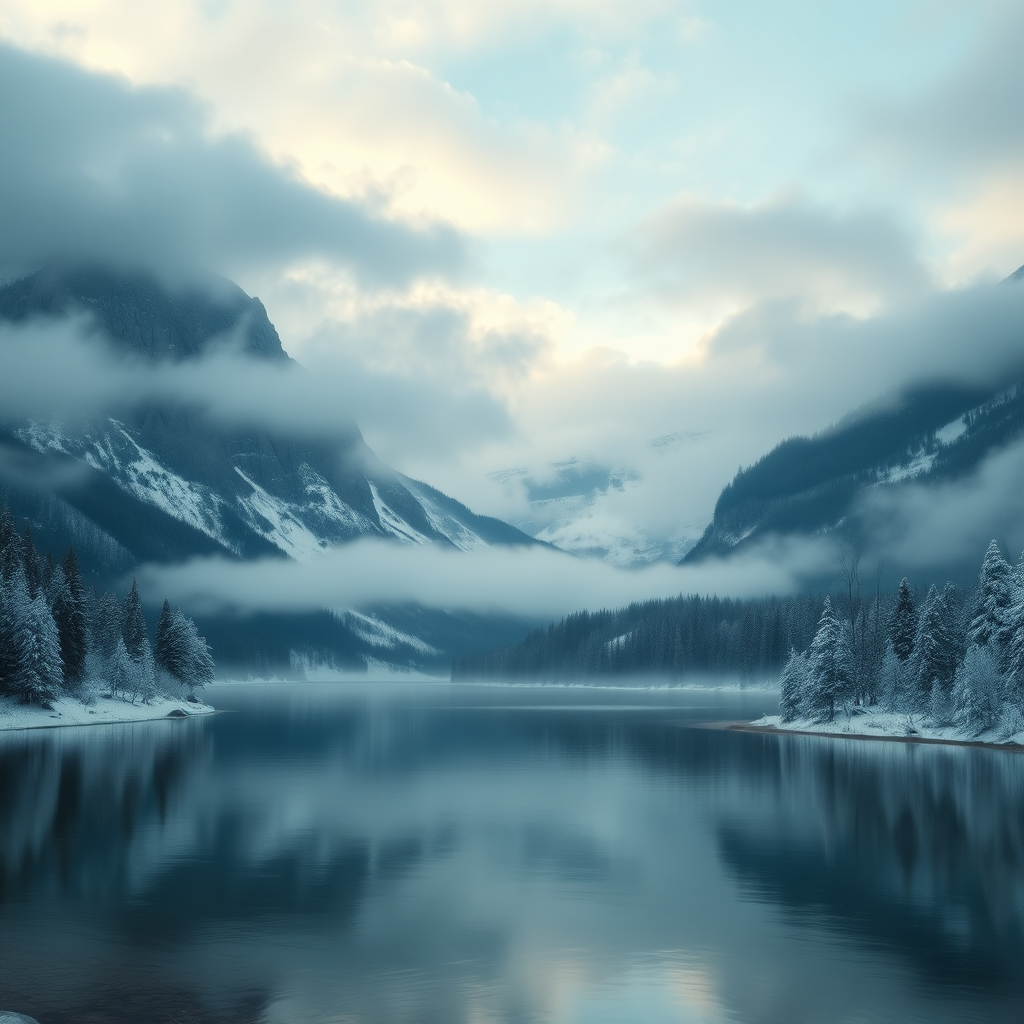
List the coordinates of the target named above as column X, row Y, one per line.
column 474, row 854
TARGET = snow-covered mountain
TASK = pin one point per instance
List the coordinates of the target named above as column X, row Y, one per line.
column 821, row 484
column 162, row 481
column 242, row 492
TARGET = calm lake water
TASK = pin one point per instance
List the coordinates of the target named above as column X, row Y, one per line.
column 485, row 854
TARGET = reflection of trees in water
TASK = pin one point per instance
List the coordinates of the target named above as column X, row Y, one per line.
column 74, row 803
column 919, row 847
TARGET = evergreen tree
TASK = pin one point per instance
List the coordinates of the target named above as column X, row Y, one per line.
column 977, row 692
column 1013, row 630
column 133, row 626
column 33, row 567
column 897, row 683
column 164, row 655
column 829, row 674
column 120, row 671
column 903, row 625
column 934, row 648
column 196, row 662
column 14, row 602
column 39, row 672
column 12, row 557
column 793, row 685
column 103, row 612
column 994, row 596
column 67, row 599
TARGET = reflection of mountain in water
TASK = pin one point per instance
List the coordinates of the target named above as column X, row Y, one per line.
column 346, row 849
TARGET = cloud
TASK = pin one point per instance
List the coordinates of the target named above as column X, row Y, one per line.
column 918, row 527
column 529, row 582
column 103, row 168
column 971, row 119
column 417, row 377
column 786, row 247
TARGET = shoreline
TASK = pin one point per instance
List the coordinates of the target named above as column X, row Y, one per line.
column 736, row 726
column 68, row 712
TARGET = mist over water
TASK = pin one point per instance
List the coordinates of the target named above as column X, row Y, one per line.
column 393, row 853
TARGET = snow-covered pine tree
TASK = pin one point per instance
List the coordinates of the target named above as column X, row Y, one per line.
column 994, row 597
column 793, row 686
column 934, row 650
column 39, row 672
column 14, row 602
column 33, row 566
column 978, row 691
column 903, row 624
column 103, row 612
column 1013, row 629
column 77, row 635
column 165, row 657
column 197, row 663
column 120, row 671
column 12, row 558
column 134, row 631
column 897, row 683
column 828, row 673
column 69, row 614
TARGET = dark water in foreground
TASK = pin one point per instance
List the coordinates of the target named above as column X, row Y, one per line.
column 469, row 854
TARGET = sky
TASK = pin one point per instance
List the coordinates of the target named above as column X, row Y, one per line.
column 656, row 238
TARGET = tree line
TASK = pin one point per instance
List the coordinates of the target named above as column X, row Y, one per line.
column 954, row 659
column 673, row 637
column 57, row 638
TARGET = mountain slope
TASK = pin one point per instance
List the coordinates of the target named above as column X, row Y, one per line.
column 244, row 492
column 161, row 481
column 810, row 485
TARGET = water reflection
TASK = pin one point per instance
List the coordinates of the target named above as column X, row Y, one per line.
column 483, row 854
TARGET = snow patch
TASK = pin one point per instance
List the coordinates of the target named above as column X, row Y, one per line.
column 951, row 432
column 325, row 502
column 380, row 634
column 276, row 520
column 68, row 711
column 393, row 523
column 891, row 724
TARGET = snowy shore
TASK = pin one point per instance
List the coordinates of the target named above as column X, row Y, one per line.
column 68, row 711
column 888, row 725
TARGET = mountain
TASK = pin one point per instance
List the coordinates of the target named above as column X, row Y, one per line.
column 813, row 485
column 160, row 481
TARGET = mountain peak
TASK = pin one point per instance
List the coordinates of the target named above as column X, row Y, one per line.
column 144, row 315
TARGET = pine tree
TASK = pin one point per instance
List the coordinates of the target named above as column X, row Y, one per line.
column 829, row 674
column 934, row 650
column 993, row 600
column 793, row 685
column 67, row 600
column 197, row 663
column 14, row 602
column 1013, row 629
column 39, row 672
column 903, row 625
column 120, row 672
column 977, row 692
column 33, row 568
column 897, row 683
column 103, row 612
column 133, row 626
column 163, row 652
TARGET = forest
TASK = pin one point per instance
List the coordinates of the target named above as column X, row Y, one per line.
column 59, row 639
column 952, row 660
column 677, row 637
